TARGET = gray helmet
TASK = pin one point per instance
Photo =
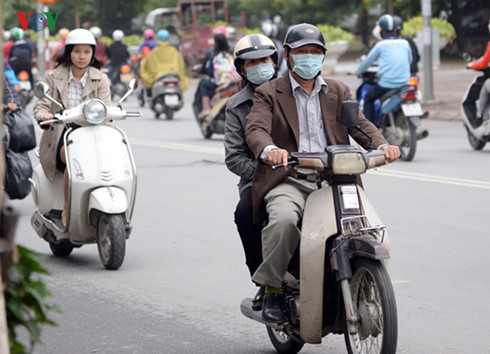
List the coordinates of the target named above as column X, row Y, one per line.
column 303, row 34
column 253, row 46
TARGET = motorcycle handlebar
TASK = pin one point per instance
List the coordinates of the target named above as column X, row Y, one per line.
column 133, row 115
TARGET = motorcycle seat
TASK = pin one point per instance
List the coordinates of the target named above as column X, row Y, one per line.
column 393, row 92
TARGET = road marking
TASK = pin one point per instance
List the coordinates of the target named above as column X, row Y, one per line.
column 177, row 146
column 390, row 173
column 434, row 178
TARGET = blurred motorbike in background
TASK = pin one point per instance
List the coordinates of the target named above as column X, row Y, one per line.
column 166, row 95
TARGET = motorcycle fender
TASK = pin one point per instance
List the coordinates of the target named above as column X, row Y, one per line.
column 318, row 225
column 414, row 120
column 110, row 200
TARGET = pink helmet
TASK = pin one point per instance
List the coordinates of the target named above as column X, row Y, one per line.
column 220, row 29
column 149, row 34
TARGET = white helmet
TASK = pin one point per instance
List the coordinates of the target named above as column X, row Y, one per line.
column 118, row 35
column 80, row 36
column 6, row 36
column 96, row 31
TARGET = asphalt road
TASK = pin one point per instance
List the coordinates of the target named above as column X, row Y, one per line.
column 183, row 277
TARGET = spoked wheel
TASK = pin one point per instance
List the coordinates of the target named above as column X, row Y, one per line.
column 61, row 249
column 475, row 143
column 283, row 343
column 111, row 240
column 374, row 302
column 405, row 137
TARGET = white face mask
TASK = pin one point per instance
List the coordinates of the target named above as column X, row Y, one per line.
column 260, row 73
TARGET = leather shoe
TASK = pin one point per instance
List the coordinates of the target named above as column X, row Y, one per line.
column 258, row 299
column 273, row 308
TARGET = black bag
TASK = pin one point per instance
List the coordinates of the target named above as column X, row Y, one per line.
column 17, row 174
column 21, row 129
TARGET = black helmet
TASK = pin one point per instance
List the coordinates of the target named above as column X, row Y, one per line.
column 303, row 34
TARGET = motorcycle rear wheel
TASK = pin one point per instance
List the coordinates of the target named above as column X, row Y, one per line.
column 169, row 114
column 475, row 143
column 283, row 343
column 374, row 302
column 111, row 240
column 408, row 145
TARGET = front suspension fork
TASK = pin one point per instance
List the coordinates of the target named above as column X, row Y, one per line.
column 350, row 314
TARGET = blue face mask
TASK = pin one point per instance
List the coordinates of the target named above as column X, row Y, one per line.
column 307, row 66
column 260, row 73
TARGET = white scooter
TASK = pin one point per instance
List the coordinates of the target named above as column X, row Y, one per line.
column 343, row 286
column 478, row 130
column 102, row 182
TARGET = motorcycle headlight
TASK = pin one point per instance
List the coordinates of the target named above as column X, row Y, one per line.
column 95, row 111
column 348, row 163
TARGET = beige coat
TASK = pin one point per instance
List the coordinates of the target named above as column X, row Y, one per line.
column 97, row 86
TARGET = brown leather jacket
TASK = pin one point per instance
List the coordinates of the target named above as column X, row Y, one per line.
column 274, row 120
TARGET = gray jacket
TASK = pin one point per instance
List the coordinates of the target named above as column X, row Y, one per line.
column 238, row 157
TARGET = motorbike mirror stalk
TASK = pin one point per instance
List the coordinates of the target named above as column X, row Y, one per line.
column 133, row 84
column 41, row 90
column 350, row 118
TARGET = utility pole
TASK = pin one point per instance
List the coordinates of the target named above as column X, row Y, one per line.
column 427, row 37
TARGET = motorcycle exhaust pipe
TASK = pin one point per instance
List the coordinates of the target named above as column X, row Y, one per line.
column 246, row 308
column 422, row 134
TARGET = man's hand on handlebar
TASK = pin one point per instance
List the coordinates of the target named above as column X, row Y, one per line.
column 277, row 157
column 392, row 152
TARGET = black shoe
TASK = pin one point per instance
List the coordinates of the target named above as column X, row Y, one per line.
column 273, row 308
column 258, row 299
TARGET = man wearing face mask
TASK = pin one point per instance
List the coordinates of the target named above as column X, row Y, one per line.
column 297, row 112
column 255, row 58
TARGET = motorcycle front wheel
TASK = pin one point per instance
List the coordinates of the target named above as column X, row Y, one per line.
column 283, row 343
column 61, row 249
column 111, row 240
column 374, row 303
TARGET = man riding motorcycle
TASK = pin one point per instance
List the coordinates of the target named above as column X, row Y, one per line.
column 297, row 112
column 394, row 57
column 162, row 59
column 117, row 54
column 255, row 58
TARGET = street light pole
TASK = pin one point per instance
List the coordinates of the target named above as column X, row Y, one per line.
column 427, row 37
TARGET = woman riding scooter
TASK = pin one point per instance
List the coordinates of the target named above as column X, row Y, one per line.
column 75, row 79
column 484, row 99
column 255, row 58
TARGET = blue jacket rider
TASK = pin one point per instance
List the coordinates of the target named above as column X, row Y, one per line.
column 394, row 57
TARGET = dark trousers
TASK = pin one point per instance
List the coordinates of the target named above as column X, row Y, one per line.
column 250, row 233
column 372, row 95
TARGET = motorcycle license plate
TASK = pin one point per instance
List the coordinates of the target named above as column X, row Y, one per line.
column 171, row 100
column 25, row 85
column 126, row 77
column 412, row 109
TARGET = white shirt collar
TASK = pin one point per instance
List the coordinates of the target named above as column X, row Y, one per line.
column 320, row 84
column 82, row 81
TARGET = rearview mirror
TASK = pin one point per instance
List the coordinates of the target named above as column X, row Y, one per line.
column 41, row 89
column 133, row 84
column 350, row 114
